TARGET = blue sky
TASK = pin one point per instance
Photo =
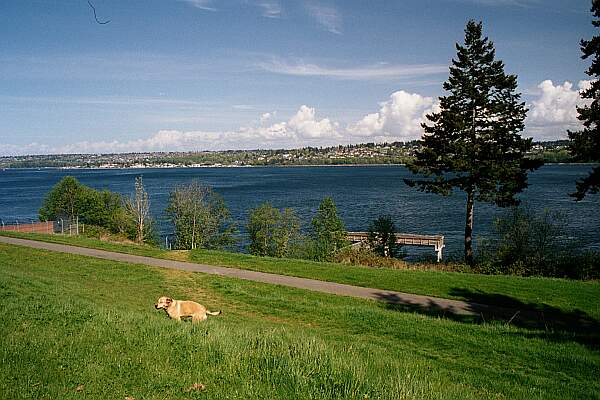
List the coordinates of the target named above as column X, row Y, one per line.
column 221, row 74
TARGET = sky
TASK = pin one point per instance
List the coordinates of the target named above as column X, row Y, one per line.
column 192, row 75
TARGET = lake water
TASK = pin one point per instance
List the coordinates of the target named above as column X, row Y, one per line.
column 361, row 194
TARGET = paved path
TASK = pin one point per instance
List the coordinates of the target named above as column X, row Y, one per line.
column 398, row 298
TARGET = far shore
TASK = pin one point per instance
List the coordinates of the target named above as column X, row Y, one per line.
column 240, row 166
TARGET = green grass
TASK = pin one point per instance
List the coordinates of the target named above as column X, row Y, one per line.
column 542, row 294
column 70, row 321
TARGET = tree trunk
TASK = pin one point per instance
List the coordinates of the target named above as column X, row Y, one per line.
column 469, row 228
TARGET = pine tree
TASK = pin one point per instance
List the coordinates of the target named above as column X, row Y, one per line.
column 473, row 142
column 585, row 144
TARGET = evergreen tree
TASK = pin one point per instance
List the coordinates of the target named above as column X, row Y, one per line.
column 327, row 230
column 473, row 142
column 382, row 237
column 585, row 144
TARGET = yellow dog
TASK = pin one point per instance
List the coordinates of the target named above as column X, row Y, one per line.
column 176, row 309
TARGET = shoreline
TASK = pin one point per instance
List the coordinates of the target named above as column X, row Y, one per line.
column 242, row 166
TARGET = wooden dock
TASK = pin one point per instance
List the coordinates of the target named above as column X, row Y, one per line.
column 405, row 239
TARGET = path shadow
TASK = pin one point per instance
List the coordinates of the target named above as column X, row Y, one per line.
column 537, row 320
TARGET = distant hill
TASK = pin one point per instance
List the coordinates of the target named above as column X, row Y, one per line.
column 356, row 154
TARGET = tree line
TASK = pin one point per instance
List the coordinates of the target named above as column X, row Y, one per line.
column 201, row 220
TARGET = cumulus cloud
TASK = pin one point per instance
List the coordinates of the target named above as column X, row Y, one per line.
column 305, row 125
column 399, row 118
column 303, row 128
column 266, row 117
column 554, row 111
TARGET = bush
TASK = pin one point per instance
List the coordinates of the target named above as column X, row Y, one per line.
column 529, row 243
column 362, row 255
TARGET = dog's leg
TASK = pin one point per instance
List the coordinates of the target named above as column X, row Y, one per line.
column 198, row 317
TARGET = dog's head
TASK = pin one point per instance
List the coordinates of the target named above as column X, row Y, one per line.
column 163, row 302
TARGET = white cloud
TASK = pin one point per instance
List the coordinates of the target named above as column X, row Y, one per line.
column 518, row 3
column 267, row 117
column 399, row 118
column 328, row 17
column 201, row 4
column 305, row 126
column 554, row 111
column 369, row 72
column 302, row 129
column 270, row 9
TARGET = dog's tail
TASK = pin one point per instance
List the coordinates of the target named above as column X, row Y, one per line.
column 213, row 312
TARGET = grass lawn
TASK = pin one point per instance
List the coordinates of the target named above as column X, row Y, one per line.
column 75, row 327
column 541, row 294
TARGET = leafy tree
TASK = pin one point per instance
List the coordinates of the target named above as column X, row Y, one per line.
column 585, row 144
column 138, row 209
column 327, row 230
column 473, row 142
column 99, row 207
column 200, row 217
column 65, row 199
column 261, row 227
column 287, row 233
column 70, row 199
column 273, row 232
column 382, row 237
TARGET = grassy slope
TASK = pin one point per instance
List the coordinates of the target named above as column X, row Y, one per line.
column 542, row 294
column 69, row 320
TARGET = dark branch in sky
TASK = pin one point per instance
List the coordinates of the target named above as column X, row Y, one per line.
column 96, row 17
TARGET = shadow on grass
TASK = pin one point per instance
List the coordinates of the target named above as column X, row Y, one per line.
column 541, row 320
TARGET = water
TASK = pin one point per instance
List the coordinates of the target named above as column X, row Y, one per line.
column 361, row 195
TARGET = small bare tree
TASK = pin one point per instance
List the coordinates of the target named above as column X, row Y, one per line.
column 138, row 207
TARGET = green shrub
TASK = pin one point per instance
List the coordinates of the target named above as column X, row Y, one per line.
column 362, row 255
column 530, row 243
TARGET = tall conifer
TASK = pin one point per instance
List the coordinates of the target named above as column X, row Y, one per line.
column 473, row 143
column 585, row 144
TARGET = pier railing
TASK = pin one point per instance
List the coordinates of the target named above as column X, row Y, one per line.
column 405, row 239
